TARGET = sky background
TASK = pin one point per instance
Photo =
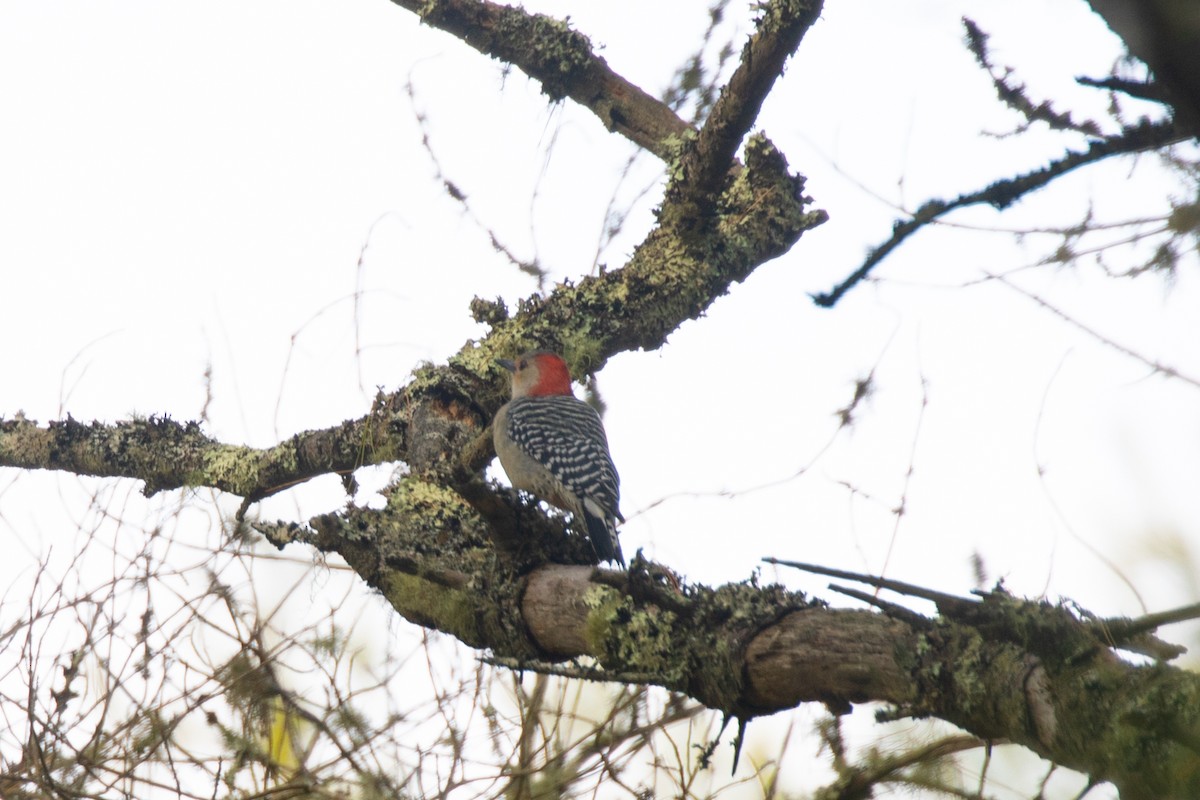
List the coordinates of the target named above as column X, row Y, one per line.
column 241, row 189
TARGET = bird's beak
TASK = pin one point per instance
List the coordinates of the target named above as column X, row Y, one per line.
column 507, row 364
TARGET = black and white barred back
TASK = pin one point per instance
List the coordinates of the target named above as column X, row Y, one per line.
column 566, row 435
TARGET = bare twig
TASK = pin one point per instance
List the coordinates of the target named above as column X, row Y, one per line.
column 1003, row 193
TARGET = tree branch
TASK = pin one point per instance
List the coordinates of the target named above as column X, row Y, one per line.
column 1004, row 669
column 434, row 423
column 1165, row 34
column 1003, row 193
column 780, row 27
column 563, row 61
column 166, row 454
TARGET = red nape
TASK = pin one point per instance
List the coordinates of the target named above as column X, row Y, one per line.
column 553, row 375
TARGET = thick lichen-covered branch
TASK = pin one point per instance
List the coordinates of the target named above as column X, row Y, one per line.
column 166, row 454
column 1033, row 673
column 437, row 417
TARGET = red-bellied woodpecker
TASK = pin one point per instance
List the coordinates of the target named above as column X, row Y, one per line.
column 553, row 445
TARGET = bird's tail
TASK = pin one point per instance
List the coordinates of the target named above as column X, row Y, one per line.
column 602, row 530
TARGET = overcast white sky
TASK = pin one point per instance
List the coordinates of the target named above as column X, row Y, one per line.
column 188, row 184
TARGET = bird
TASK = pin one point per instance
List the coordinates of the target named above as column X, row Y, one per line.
column 553, row 445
